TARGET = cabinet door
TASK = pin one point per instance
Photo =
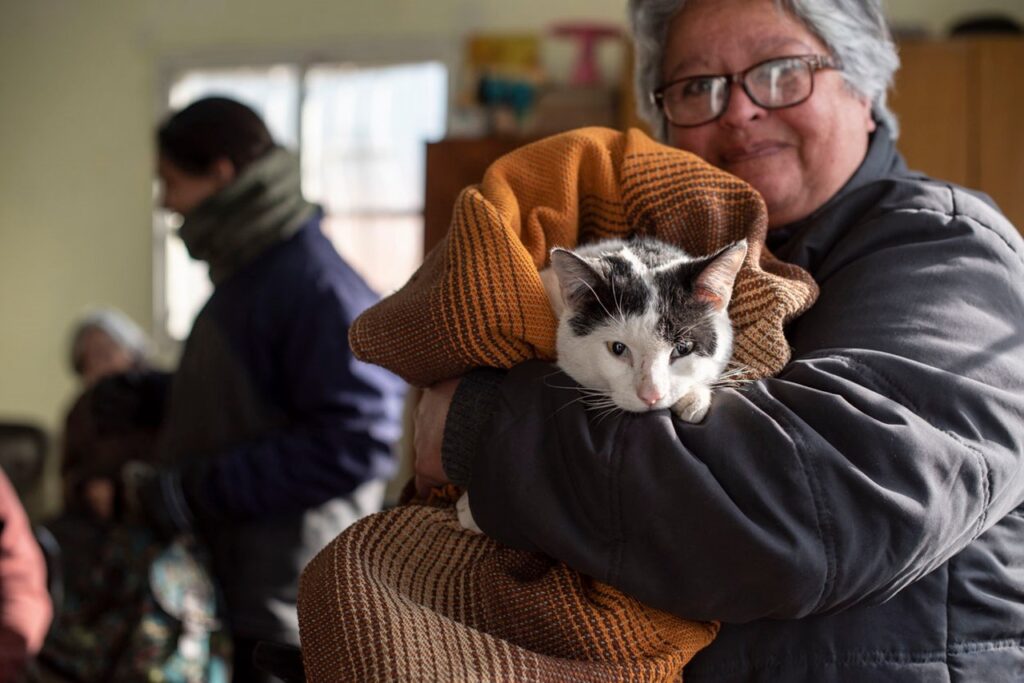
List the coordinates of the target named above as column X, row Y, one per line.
column 453, row 164
column 932, row 98
column 1001, row 124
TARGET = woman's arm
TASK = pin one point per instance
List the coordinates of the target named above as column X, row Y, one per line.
column 892, row 439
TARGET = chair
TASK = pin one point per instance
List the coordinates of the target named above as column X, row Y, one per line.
column 23, row 449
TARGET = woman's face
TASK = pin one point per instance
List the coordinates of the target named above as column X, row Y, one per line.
column 98, row 355
column 183, row 192
column 797, row 157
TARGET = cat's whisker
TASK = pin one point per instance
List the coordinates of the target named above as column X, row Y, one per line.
column 591, row 400
column 685, row 331
column 618, row 305
column 600, row 403
column 736, row 374
column 570, row 403
column 597, row 298
column 561, row 386
column 577, row 387
column 732, row 380
column 607, row 413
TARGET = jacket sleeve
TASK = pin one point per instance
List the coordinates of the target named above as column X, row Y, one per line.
column 892, row 439
column 342, row 417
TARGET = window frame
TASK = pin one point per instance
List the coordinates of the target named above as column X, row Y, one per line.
column 361, row 52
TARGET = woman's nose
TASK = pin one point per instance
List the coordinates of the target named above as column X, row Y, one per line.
column 740, row 108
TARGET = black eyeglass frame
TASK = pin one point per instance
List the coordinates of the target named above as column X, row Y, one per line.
column 815, row 62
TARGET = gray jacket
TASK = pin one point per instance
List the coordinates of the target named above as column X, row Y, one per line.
column 856, row 518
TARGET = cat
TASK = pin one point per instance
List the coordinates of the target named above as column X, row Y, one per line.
column 642, row 325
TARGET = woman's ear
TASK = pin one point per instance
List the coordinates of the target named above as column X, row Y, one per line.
column 869, row 114
column 223, row 171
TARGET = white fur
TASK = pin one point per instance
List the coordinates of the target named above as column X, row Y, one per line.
column 465, row 516
column 684, row 385
column 588, row 361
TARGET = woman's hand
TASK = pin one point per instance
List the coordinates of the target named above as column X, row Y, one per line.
column 428, row 433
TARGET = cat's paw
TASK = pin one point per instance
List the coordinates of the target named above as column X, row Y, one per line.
column 465, row 516
column 693, row 406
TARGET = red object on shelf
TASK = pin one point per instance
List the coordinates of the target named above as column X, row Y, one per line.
column 586, row 71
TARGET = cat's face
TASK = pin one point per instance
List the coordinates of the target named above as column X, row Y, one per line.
column 643, row 322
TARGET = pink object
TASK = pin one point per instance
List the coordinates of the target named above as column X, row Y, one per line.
column 586, row 71
column 25, row 607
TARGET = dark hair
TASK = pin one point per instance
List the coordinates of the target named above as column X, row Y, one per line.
column 213, row 128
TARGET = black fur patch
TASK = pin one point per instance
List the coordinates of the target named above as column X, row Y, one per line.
column 620, row 290
column 681, row 315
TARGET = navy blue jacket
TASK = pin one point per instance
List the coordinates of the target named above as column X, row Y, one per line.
column 282, row 436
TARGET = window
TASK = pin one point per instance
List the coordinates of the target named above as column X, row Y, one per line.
column 360, row 133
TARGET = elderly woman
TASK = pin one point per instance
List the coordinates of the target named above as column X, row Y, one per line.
column 106, row 427
column 858, row 516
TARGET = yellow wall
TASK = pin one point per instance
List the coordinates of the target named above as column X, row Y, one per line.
column 79, row 84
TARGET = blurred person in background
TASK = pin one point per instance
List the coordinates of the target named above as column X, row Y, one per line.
column 113, row 423
column 275, row 438
column 119, row 618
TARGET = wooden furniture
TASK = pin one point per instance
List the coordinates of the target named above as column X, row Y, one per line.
column 452, row 165
column 960, row 103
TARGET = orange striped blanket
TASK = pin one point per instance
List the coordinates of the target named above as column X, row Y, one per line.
column 407, row 595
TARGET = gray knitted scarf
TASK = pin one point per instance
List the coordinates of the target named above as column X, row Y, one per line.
column 263, row 206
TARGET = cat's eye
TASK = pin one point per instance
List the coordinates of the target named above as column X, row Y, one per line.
column 616, row 348
column 682, row 348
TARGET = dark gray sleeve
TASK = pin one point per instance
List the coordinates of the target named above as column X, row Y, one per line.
column 892, row 439
column 472, row 406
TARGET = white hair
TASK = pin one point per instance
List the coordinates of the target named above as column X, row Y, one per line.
column 116, row 325
column 854, row 31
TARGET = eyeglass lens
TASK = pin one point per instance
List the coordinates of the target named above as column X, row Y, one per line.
column 774, row 84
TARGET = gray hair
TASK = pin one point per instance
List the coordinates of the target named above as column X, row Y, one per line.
column 854, row 31
column 116, row 325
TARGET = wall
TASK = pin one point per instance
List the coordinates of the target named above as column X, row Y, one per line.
column 78, row 99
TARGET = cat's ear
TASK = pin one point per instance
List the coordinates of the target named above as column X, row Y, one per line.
column 714, row 284
column 576, row 278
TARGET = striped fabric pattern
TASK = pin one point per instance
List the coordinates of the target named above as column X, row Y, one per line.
column 477, row 299
column 407, row 595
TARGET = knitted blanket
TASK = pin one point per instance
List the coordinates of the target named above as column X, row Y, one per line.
column 407, row 595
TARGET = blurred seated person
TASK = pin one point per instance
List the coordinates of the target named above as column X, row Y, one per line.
column 120, row 619
column 115, row 419
column 25, row 607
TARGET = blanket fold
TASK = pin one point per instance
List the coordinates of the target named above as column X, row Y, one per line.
column 407, row 595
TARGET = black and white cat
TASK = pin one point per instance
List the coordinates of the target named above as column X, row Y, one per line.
column 642, row 325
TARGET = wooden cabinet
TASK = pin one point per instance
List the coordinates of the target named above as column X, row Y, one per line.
column 961, row 108
column 452, row 165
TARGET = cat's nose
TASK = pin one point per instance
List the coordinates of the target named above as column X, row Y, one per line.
column 649, row 395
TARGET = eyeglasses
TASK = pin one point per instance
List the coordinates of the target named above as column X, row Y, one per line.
column 772, row 84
